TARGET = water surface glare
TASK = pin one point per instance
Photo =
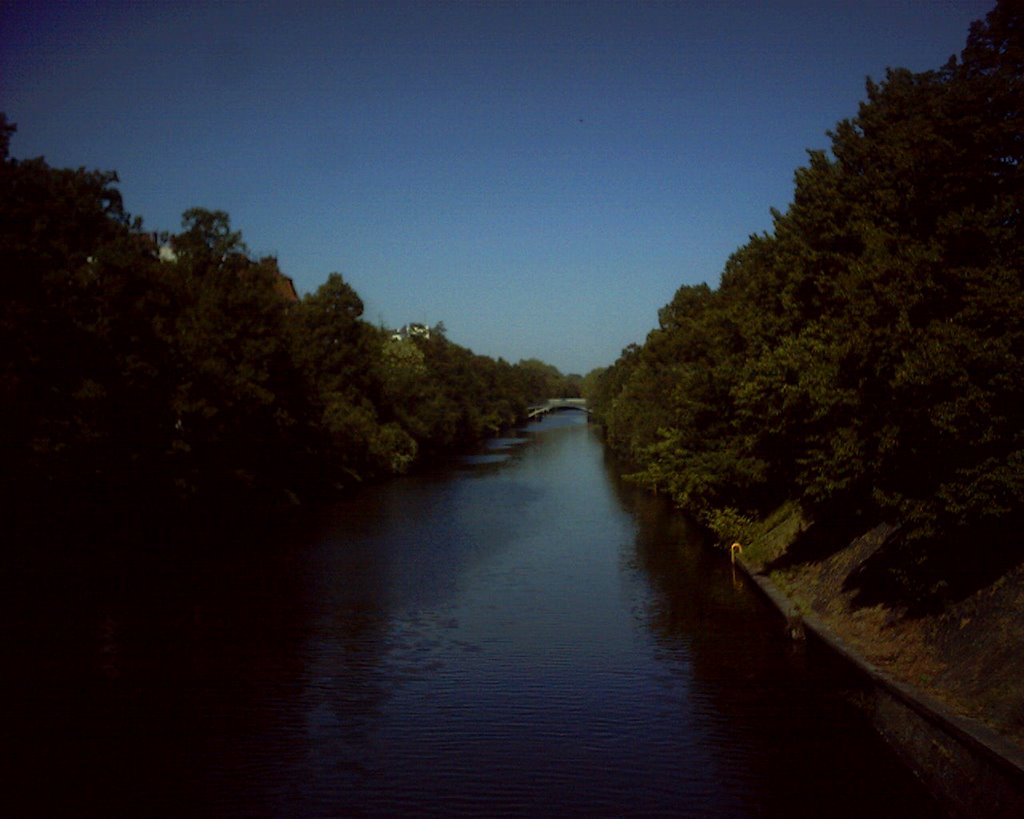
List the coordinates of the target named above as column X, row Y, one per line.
column 523, row 636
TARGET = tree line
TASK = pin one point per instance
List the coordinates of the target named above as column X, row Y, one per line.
column 182, row 369
column 866, row 356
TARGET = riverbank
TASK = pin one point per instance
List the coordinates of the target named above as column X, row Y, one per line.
column 560, row 641
column 948, row 682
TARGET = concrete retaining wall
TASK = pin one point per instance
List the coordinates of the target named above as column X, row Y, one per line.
column 969, row 767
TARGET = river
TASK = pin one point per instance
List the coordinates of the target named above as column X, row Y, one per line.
column 517, row 633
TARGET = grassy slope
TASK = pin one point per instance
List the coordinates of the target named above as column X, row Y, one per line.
column 968, row 652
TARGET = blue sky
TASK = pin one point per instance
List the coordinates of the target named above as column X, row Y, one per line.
column 541, row 177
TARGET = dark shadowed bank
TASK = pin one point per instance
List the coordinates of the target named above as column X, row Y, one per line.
column 859, row 371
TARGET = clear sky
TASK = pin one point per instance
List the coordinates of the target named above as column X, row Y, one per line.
column 541, row 177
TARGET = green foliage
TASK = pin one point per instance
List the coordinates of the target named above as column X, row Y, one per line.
column 140, row 373
column 542, row 381
column 227, row 383
column 382, row 403
column 867, row 354
column 730, row 526
column 81, row 327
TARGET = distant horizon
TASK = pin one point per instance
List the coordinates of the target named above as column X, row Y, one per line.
column 540, row 177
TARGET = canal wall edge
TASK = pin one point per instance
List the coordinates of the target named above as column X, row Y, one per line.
column 970, row 767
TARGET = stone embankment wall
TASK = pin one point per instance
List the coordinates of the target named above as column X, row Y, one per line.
column 970, row 768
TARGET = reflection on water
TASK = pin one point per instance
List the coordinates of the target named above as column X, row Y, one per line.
column 526, row 636
column 505, row 443
column 479, row 460
column 496, row 451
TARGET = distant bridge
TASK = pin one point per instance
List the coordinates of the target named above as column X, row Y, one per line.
column 557, row 405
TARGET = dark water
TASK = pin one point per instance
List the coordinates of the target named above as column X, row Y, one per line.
column 518, row 635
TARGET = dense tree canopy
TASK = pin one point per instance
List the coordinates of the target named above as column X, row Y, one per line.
column 867, row 354
column 181, row 369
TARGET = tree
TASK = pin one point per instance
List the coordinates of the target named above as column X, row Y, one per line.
column 237, row 397
column 80, row 325
column 867, row 353
column 188, row 373
column 339, row 356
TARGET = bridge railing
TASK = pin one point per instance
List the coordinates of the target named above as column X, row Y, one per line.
column 557, row 404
